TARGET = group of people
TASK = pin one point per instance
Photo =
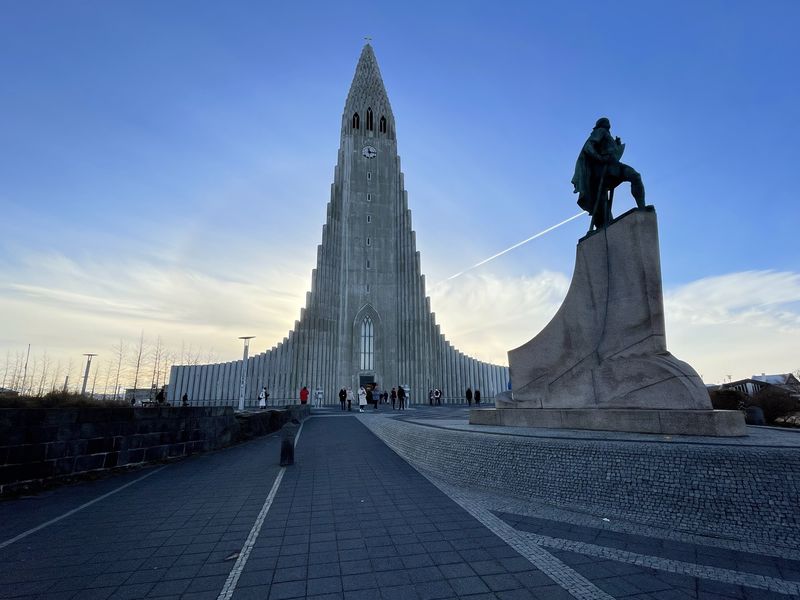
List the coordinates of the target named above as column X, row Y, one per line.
column 469, row 396
column 435, row 397
column 369, row 395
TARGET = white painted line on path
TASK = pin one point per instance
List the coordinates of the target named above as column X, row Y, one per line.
column 25, row 534
column 238, row 567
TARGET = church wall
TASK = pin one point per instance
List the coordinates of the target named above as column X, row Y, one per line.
column 323, row 347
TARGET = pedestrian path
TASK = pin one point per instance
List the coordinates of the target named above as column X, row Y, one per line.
column 350, row 520
column 353, row 520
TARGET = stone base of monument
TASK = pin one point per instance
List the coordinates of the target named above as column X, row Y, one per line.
column 721, row 423
column 602, row 361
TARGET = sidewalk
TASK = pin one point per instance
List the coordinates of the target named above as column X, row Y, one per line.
column 352, row 520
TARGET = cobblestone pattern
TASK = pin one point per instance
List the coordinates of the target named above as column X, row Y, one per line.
column 747, row 575
column 740, row 493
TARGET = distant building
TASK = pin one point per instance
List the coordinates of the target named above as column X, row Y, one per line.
column 785, row 382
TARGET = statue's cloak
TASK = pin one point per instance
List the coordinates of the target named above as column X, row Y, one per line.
column 589, row 166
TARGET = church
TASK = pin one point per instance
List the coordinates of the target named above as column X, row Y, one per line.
column 367, row 319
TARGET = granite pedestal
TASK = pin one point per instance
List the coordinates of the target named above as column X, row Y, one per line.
column 602, row 361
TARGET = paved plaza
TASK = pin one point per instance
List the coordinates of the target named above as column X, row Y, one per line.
column 350, row 520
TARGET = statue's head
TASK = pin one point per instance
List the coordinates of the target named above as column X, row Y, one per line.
column 603, row 122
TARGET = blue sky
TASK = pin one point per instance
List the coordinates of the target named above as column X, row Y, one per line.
column 165, row 166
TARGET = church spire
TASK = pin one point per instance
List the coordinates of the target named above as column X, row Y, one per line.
column 367, row 95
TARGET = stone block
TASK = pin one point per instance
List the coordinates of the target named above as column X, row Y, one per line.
column 9, row 474
column 483, row 416
column 43, row 433
column 76, row 447
column 56, row 450
column 176, row 450
column 155, row 453
column 89, row 462
column 606, row 345
column 135, row 456
column 723, row 423
column 111, row 460
column 64, row 466
column 100, row 444
column 26, row 453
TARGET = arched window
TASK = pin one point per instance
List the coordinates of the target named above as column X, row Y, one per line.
column 383, row 125
column 367, row 344
column 369, row 119
column 356, row 121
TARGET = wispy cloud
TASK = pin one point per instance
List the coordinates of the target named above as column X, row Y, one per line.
column 61, row 296
column 736, row 324
column 486, row 315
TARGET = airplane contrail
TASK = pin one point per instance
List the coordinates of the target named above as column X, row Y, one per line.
column 517, row 245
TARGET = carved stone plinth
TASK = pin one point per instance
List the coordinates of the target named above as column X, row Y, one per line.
column 719, row 423
column 606, row 347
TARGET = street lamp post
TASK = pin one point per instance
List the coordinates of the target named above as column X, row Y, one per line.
column 86, row 372
column 243, row 381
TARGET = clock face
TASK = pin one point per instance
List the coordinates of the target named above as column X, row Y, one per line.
column 369, row 152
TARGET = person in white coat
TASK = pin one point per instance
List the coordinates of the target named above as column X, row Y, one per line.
column 362, row 398
column 262, row 398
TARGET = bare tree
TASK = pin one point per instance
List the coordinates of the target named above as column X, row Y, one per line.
column 7, row 369
column 167, row 362
column 139, row 352
column 45, row 372
column 94, row 378
column 25, row 370
column 157, row 356
column 16, row 378
column 56, row 377
column 119, row 354
column 109, row 364
column 68, row 376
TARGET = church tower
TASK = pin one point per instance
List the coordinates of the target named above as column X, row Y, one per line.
column 367, row 318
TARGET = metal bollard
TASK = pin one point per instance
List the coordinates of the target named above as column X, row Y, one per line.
column 288, row 434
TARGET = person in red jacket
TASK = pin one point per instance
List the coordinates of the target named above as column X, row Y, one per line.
column 304, row 395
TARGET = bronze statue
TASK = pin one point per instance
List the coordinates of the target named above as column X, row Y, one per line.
column 598, row 171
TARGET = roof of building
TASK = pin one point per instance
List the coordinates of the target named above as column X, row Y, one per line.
column 778, row 379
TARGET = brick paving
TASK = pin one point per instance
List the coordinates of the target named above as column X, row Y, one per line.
column 350, row 520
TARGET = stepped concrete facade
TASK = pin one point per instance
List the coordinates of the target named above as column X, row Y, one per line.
column 367, row 317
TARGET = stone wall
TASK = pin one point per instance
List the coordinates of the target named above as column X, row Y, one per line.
column 40, row 447
column 733, row 491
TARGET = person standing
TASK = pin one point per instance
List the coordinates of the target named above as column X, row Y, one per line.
column 160, row 398
column 393, row 396
column 362, row 398
column 185, row 399
column 304, row 395
column 469, row 396
column 371, row 399
column 262, row 398
column 477, row 397
column 401, row 397
column 342, row 397
column 430, row 397
column 437, row 396
column 349, row 398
